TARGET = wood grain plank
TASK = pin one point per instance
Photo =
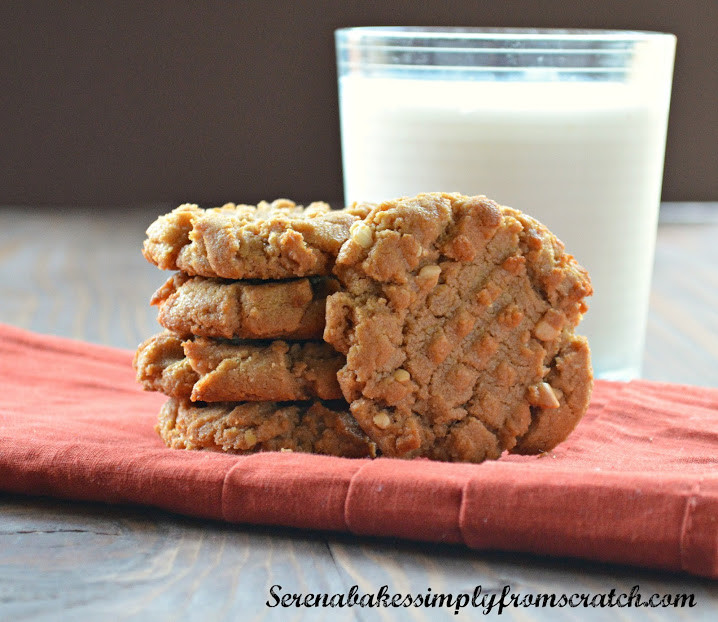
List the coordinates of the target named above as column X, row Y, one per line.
column 78, row 273
column 61, row 560
column 682, row 335
column 455, row 569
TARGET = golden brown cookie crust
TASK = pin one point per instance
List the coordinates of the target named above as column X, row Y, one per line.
column 457, row 322
column 277, row 240
column 205, row 307
column 212, row 371
column 263, row 426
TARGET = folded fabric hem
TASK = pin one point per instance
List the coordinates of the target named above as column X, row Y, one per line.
column 633, row 518
column 651, row 520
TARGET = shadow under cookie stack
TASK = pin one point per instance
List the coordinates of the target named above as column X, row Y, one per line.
column 242, row 358
column 437, row 326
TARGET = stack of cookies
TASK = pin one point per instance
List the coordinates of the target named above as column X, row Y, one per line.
column 242, row 358
column 446, row 330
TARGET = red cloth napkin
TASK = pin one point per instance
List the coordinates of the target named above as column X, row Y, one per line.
column 636, row 483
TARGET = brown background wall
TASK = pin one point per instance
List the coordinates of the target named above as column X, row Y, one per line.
column 209, row 102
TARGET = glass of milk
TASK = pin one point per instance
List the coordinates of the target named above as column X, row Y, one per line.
column 568, row 126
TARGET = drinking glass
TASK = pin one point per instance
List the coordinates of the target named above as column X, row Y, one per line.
column 568, row 126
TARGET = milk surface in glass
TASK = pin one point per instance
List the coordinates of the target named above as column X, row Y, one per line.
column 585, row 158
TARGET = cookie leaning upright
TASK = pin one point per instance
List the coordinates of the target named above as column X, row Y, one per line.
column 275, row 240
column 457, row 322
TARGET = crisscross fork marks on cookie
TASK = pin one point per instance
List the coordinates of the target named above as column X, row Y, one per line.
column 454, row 312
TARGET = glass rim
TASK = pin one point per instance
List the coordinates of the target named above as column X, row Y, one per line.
column 500, row 34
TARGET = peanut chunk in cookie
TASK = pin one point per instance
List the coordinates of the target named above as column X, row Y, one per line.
column 457, row 322
column 276, row 240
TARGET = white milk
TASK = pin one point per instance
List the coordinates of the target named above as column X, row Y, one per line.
column 586, row 159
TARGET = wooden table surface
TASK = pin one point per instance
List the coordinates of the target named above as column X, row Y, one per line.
column 79, row 273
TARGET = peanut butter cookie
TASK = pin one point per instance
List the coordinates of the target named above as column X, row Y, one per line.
column 250, row 427
column 292, row 309
column 214, row 371
column 276, row 240
column 457, row 322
